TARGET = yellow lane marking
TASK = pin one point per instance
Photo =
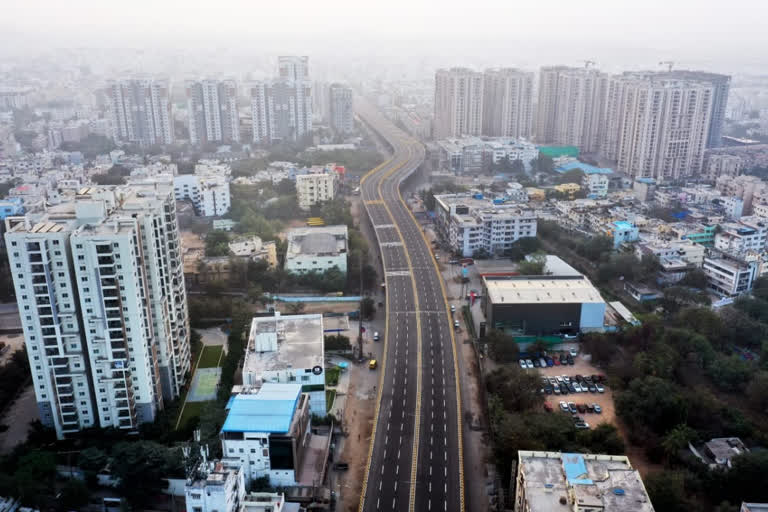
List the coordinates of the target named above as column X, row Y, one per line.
column 455, row 357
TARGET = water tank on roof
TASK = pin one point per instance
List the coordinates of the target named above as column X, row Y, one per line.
column 478, row 196
column 498, row 201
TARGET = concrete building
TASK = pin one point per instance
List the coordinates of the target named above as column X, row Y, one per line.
column 721, row 85
column 570, row 107
column 476, row 155
column 718, row 452
column 623, row 231
column 107, row 329
column 508, row 103
column 729, row 276
column 578, row 482
column 753, row 507
column 292, row 67
column 212, row 110
column 267, row 502
column 749, row 189
column 470, row 223
column 656, row 126
column 216, row 486
column 721, row 164
column 254, row 249
column 314, row 188
column 141, row 111
column 316, row 249
column 737, row 238
column 281, row 110
column 685, row 250
column 268, row 431
column 209, row 193
column 288, row 348
column 458, row 103
column 595, row 184
column 542, row 305
column 341, row 111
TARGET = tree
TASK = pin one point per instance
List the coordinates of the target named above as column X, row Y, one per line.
column 730, row 373
column 696, row 278
column 533, row 265
column 217, row 243
column 572, row 176
column 74, row 494
column 523, row 247
column 501, row 347
column 757, row 392
column 677, row 440
column 667, row 491
column 143, row 467
column 367, row 308
column 518, row 389
column 652, row 402
column 34, row 475
column 296, row 308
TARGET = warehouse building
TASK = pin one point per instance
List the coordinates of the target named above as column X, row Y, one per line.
column 542, row 305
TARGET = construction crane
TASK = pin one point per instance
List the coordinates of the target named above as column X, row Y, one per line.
column 587, row 63
column 668, row 63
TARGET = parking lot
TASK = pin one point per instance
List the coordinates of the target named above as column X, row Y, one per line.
column 584, row 368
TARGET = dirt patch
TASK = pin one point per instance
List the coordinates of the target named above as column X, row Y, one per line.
column 322, row 307
column 604, row 400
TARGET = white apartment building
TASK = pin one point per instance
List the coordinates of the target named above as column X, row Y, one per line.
column 288, row 348
column 474, row 155
column 470, row 224
column 141, row 111
column 570, row 106
column 217, row 486
column 341, row 111
column 314, row 188
column 749, row 234
column 730, row 277
column 292, row 67
column 209, row 193
column 689, row 252
column 655, row 126
column 596, row 184
column 41, row 264
column 264, row 502
column 508, row 103
column 316, row 249
column 212, row 110
column 128, row 313
column 458, row 103
column 722, row 164
column 751, row 189
column 281, row 110
column 268, row 431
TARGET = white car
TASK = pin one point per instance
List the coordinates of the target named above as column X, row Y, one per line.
column 529, row 364
column 522, row 364
column 564, row 406
column 455, row 324
column 376, row 336
column 577, row 387
column 573, row 352
column 453, row 308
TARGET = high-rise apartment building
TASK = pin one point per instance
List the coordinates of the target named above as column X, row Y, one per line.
column 342, row 115
column 458, row 103
column 101, row 288
column 656, row 126
column 212, row 108
column 508, row 103
column 141, row 111
column 721, row 86
column 282, row 108
column 570, row 106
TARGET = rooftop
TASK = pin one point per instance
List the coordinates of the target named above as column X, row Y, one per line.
column 281, row 342
column 541, row 289
column 602, row 482
column 269, row 410
column 587, row 168
column 321, row 240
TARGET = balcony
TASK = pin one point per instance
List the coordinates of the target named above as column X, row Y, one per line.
column 37, row 269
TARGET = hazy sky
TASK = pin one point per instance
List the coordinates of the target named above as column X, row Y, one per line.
column 713, row 30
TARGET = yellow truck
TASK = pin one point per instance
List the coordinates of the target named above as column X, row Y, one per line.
column 372, row 364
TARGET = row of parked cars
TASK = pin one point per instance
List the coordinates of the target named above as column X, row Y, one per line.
column 546, row 360
column 575, row 409
column 563, row 384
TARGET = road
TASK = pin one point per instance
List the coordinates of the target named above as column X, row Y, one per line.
column 416, row 454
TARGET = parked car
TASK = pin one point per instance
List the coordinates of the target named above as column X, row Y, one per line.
column 572, row 407
column 563, row 389
column 571, row 388
column 597, row 408
column 570, row 360
column 547, row 407
column 543, row 362
column 456, row 324
column 592, row 388
column 600, row 388
column 566, row 379
column 581, row 408
column 529, row 364
column 550, row 361
column 556, row 389
column 376, row 336
column 556, row 362
column 552, row 380
column 341, row 466
column 548, row 389
column 522, row 364
column 453, row 308
column 564, row 406
column 536, row 363
column 559, row 379
column 590, row 407
column 573, row 352
column 577, row 386
column 563, row 359
column 581, row 425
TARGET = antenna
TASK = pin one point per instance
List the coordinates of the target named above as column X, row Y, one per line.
column 668, row 63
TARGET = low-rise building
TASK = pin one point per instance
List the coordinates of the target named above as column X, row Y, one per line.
column 314, row 188
column 216, row 486
column 475, row 155
column 595, row 184
column 252, row 248
column 576, row 482
column 268, row 432
column 471, row 223
column 288, row 348
column 316, row 249
column 267, row 502
column 753, row 507
column 729, row 276
column 686, row 250
column 209, row 193
column 542, row 305
column 749, row 234
column 622, row 231
column 718, row 452
column 568, row 189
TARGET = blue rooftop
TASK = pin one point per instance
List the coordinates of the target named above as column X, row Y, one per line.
column 270, row 410
column 623, row 224
column 587, row 168
column 575, row 469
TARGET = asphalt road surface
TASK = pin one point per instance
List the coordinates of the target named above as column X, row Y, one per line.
column 416, row 458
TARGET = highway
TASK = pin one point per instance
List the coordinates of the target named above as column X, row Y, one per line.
column 416, row 455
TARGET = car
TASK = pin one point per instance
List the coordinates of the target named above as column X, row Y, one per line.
column 581, row 408
column 341, row 466
column 570, row 336
column 571, row 388
column 572, row 407
column 600, row 388
column 566, row 379
column 556, row 389
column 550, row 362
column 376, row 336
column 597, row 408
column 556, row 362
column 559, row 379
column 529, row 364
column 456, row 324
column 548, row 389
column 372, row 364
column 592, row 388
column 573, row 352
column 544, row 380
column 581, row 425
column 563, row 389
column 570, row 360
column 563, row 359
column 579, row 378
column 453, row 308
column 543, row 362
column 564, row 406
column 522, row 364
column 590, row 407
column 552, row 380
column 577, row 386
column 547, row 407
column 536, row 363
